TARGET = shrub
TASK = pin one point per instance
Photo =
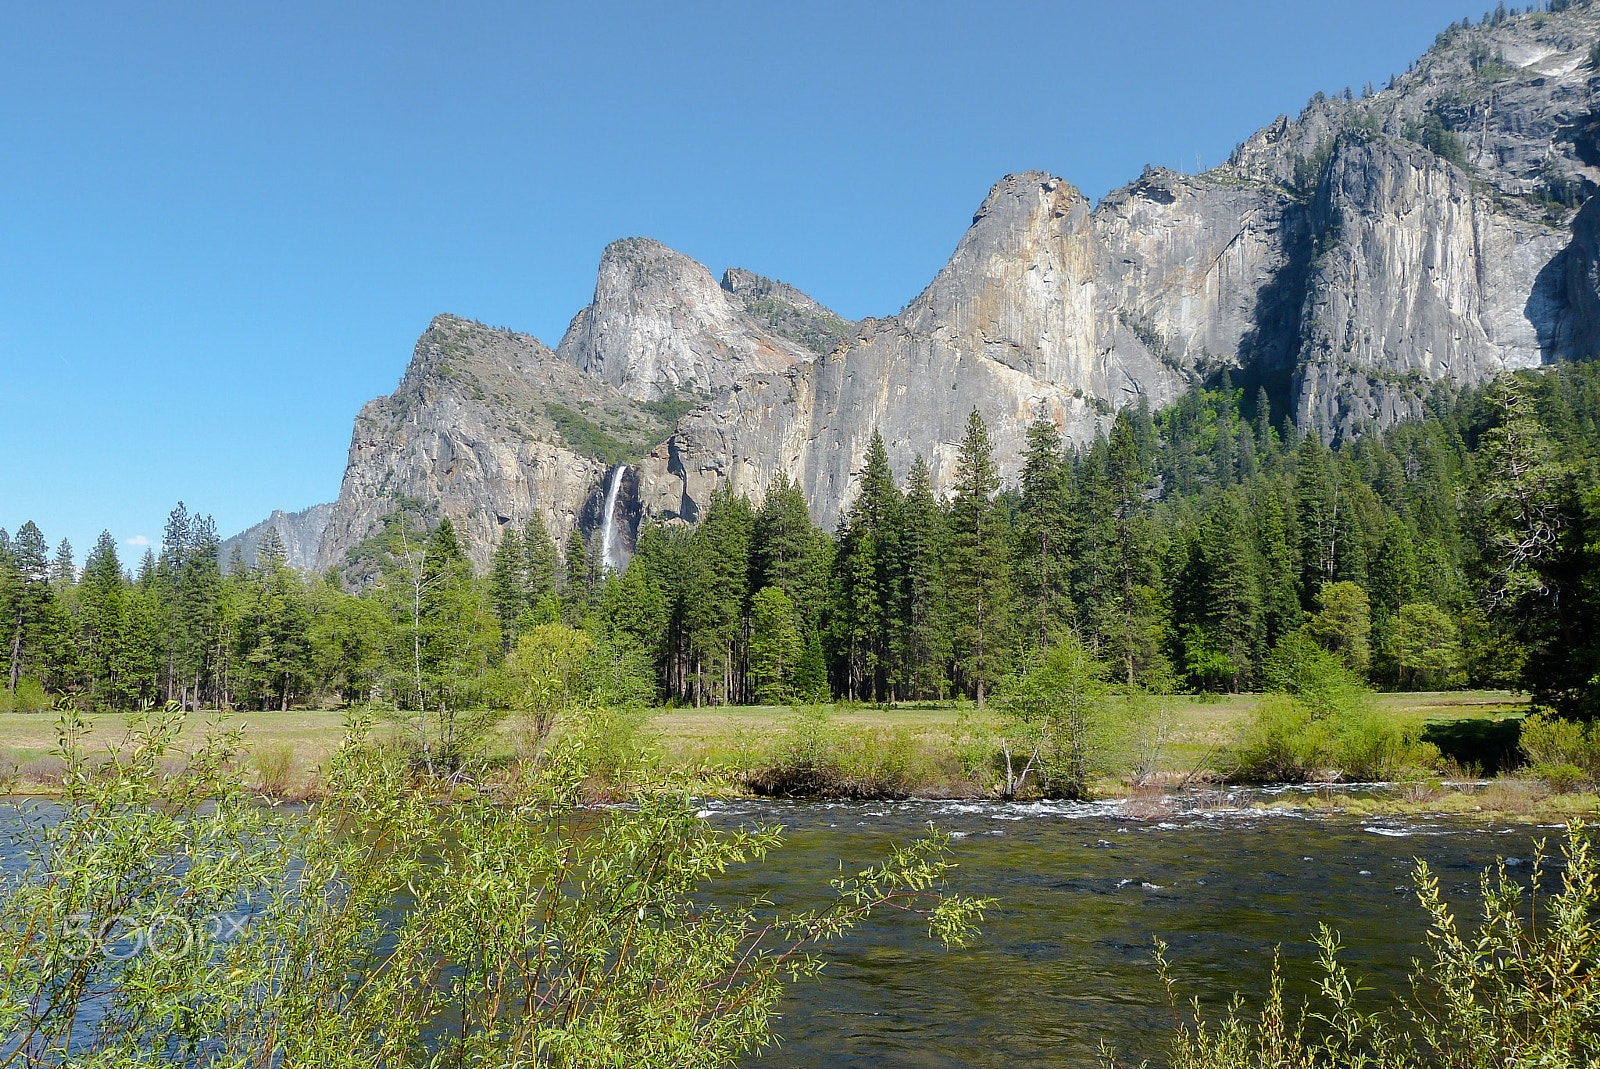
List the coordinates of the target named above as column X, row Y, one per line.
column 1366, row 746
column 273, row 766
column 1056, row 721
column 1286, row 741
column 813, row 757
column 1563, row 753
column 29, row 697
column 805, row 761
column 516, row 927
column 1281, row 743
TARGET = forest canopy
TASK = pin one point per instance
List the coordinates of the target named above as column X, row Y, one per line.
column 1192, row 548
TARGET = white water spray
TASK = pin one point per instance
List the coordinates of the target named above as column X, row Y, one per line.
column 608, row 533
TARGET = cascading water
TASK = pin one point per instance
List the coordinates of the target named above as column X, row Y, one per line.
column 608, row 532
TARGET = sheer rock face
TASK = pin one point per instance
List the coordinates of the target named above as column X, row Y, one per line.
column 479, row 430
column 1011, row 326
column 1345, row 261
column 1417, row 269
column 1420, row 281
column 660, row 323
column 300, row 532
column 1046, row 308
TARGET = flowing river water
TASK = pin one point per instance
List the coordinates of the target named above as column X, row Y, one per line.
column 1064, row 961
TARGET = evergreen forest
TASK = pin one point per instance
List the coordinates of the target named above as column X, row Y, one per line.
column 1183, row 547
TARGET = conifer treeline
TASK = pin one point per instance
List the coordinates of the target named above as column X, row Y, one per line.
column 1183, row 546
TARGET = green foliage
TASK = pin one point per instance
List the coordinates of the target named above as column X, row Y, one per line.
column 814, row 757
column 978, row 563
column 776, row 648
column 671, row 408
column 1056, row 721
column 819, row 332
column 1319, row 720
column 1433, row 135
column 542, row 679
column 27, row 697
column 274, row 764
column 1183, row 546
column 1286, row 742
column 1563, row 753
column 1425, row 644
column 587, row 438
column 1308, row 169
column 1342, row 624
column 1518, row 990
column 516, row 927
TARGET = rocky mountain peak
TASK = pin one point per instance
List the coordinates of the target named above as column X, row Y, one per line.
column 660, row 324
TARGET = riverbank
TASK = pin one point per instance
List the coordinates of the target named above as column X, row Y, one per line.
column 923, row 751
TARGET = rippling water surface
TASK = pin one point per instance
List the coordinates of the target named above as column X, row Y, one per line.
column 1064, row 961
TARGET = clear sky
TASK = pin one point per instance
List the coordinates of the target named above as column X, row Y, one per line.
column 223, row 226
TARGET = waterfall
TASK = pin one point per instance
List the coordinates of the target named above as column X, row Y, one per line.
column 608, row 532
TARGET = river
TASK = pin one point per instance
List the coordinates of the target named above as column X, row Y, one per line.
column 1064, row 961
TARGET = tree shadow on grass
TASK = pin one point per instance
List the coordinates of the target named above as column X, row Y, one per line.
column 1494, row 746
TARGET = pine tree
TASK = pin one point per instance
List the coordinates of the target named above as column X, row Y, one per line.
column 270, row 554
column 979, row 570
column 63, row 573
column 1521, row 494
column 1231, row 597
column 577, row 588
column 1264, row 435
column 1317, row 504
column 789, row 552
column 539, row 560
column 928, row 651
column 1394, row 571
column 1281, row 613
column 30, row 602
column 776, row 647
column 719, row 592
column 508, row 586
column 867, row 573
column 1044, row 599
column 102, row 633
column 1126, row 481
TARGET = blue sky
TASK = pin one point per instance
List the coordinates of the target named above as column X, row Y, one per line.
column 222, row 229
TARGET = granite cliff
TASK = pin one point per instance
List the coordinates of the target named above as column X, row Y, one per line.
column 1346, row 261
column 491, row 428
column 300, row 534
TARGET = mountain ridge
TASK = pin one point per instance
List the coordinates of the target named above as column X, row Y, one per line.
column 1343, row 263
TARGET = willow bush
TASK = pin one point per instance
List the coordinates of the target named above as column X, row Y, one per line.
column 1522, row 988
column 166, row 916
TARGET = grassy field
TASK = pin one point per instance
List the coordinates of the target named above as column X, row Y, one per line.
column 732, row 736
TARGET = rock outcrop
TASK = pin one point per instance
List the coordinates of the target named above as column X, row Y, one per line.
column 783, row 310
column 1346, row 262
column 490, row 428
column 300, row 534
column 660, row 324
